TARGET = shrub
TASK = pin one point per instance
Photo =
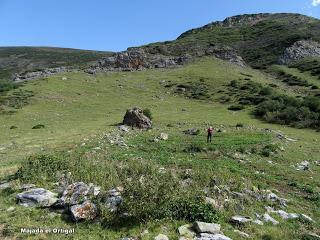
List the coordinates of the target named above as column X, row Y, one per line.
column 147, row 112
column 236, row 107
column 38, row 126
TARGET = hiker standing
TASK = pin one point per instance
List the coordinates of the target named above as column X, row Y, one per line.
column 209, row 136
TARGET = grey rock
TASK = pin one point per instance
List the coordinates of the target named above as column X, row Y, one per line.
column 75, row 193
column 206, row 236
column 87, row 210
column 124, row 128
column 161, row 237
column 300, row 50
column 303, row 166
column 267, row 218
column 114, row 199
column 306, row 217
column 240, row 220
column 5, row 185
column 192, row 131
column 36, row 197
column 202, row 227
column 135, row 118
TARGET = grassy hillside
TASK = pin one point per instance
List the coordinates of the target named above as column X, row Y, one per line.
column 22, row 59
column 78, row 113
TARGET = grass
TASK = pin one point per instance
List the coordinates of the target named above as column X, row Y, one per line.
column 79, row 112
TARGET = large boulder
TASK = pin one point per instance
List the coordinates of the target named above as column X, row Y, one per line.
column 135, row 118
column 37, row 197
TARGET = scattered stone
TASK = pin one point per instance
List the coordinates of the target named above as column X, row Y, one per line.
column 202, row 227
column 242, row 234
column 135, row 118
column 163, row 136
column 192, row 131
column 5, row 185
column 306, row 217
column 258, row 222
column 268, row 218
column 303, row 166
column 240, row 220
column 36, row 197
column 161, row 237
column 284, row 215
column 11, row 209
column 124, row 128
column 206, row 236
column 274, row 198
column 87, row 210
column 114, row 199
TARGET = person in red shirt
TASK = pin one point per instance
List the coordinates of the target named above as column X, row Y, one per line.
column 209, row 136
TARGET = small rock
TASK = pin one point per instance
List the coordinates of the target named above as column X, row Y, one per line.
column 10, row 209
column 192, row 131
column 306, row 217
column 258, row 222
column 240, row 220
column 37, row 197
column 206, row 236
column 202, row 227
column 114, row 199
column 124, row 128
column 303, row 166
column 5, row 185
column 161, row 237
column 163, row 136
column 268, row 218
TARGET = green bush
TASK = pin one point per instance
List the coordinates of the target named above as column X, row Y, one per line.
column 147, row 112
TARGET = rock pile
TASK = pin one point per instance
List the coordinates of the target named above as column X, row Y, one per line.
column 78, row 199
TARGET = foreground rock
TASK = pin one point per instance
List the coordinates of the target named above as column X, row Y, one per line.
column 37, row 197
column 206, row 236
column 161, row 237
column 87, row 210
column 202, row 227
column 135, row 118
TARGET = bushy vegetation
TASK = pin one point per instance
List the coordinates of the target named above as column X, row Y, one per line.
column 147, row 112
column 308, row 64
column 149, row 193
column 279, row 108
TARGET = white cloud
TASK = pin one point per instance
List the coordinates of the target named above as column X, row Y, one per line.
column 315, row 3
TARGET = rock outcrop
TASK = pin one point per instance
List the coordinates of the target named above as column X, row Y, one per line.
column 38, row 74
column 300, row 50
column 135, row 118
column 135, row 59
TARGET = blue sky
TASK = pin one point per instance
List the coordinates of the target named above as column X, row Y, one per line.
column 118, row 24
